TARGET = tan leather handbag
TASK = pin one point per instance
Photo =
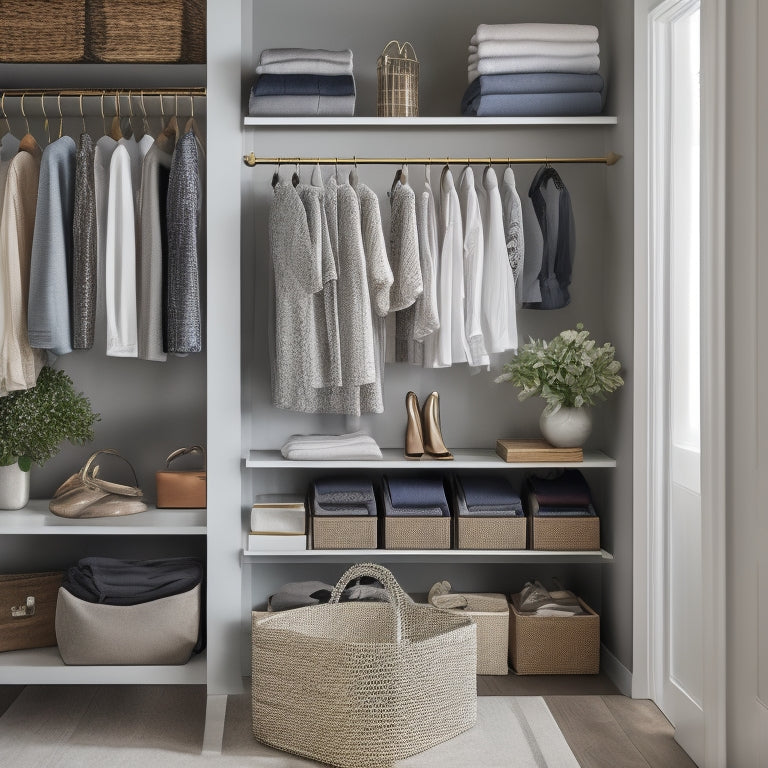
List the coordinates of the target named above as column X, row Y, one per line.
column 86, row 495
column 182, row 488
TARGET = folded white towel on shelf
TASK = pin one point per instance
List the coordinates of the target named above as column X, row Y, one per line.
column 500, row 65
column 273, row 55
column 352, row 446
column 491, row 48
column 585, row 33
column 305, row 67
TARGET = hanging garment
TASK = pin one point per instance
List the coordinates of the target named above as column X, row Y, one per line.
column 325, row 360
column 9, row 146
column 84, row 245
column 296, row 277
column 120, row 259
column 102, row 156
column 474, row 247
column 19, row 363
column 552, row 204
column 408, row 283
column 512, row 212
column 153, row 256
column 51, row 268
column 184, row 215
column 498, row 298
column 428, row 311
column 534, row 253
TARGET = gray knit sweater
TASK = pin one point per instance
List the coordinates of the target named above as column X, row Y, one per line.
column 84, row 242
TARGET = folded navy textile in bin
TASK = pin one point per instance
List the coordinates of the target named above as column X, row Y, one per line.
column 552, row 511
column 415, row 496
column 568, row 489
column 488, row 493
column 303, row 85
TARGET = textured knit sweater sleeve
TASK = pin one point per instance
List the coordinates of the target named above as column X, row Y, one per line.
column 51, row 267
column 404, row 249
column 512, row 211
column 84, row 243
column 380, row 278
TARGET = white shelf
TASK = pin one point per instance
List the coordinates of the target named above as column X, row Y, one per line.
column 35, row 518
column 425, row 556
column 422, row 122
column 43, row 666
column 464, row 458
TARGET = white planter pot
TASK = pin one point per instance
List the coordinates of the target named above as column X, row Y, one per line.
column 568, row 428
column 14, row 487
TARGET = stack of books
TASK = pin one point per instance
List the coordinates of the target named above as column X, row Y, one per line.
column 278, row 523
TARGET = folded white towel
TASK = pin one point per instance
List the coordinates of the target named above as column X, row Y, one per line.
column 583, row 65
column 490, row 48
column 305, row 67
column 583, row 33
column 355, row 445
column 274, row 55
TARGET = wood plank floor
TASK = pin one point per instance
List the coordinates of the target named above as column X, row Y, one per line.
column 603, row 728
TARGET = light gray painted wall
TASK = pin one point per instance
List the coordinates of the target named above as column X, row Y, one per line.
column 475, row 411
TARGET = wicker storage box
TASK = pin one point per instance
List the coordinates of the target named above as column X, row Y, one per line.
column 28, row 609
column 362, row 685
column 564, row 533
column 491, row 614
column 139, row 31
column 417, row 532
column 42, row 30
column 554, row 645
column 349, row 532
column 490, row 532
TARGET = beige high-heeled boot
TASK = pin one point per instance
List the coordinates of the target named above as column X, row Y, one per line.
column 433, row 436
column 414, row 439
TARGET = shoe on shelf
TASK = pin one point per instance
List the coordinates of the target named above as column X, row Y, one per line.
column 433, row 436
column 414, row 438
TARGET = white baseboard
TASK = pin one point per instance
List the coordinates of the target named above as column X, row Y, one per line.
column 616, row 672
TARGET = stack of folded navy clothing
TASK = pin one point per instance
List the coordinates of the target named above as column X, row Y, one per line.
column 533, row 70
column 566, row 495
column 414, row 496
column 343, row 497
column 486, row 497
column 301, row 82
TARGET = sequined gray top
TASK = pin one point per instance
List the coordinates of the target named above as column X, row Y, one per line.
column 84, row 277
column 183, row 285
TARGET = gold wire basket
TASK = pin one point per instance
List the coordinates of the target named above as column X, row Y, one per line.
column 398, row 81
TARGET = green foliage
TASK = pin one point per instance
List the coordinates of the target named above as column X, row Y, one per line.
column 569, row 371
column 34, row 422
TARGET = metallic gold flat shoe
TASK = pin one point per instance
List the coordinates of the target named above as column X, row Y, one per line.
column 414, row 440
column 433, row 436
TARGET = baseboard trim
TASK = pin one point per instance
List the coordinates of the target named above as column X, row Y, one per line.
column 615, row 671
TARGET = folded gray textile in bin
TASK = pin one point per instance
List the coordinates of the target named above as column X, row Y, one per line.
column 343, row 490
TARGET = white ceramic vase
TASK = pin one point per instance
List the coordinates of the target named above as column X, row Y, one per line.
column 14, row 487
column 567, row 428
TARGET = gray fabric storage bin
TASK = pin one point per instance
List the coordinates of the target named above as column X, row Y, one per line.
column 161, row 631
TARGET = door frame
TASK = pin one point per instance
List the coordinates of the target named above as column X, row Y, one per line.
column 650, row 418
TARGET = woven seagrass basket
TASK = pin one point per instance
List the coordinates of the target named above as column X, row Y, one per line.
column 397, row 72
column 42, row 30
column 362, row 685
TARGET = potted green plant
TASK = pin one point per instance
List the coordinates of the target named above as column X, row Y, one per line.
column 570, row 373
column 33, row 424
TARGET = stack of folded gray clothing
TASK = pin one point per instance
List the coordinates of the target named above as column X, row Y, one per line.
column 355, row 446
column 301, row 82
column 478, row 496
column 533, row 70
column 342, row 497
column 414, row 496
column 566, row 495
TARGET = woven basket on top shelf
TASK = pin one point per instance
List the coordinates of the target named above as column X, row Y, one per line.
column 42, row 31
column 397, row 72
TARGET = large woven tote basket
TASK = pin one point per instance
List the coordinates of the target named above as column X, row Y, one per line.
column 359, row 684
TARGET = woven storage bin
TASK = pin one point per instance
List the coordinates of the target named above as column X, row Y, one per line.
column 193, row 43
column 42, row 30
column 349, row 532
column 362, row 685
column 140, row 31
column 554, row 645
column 491, row 615
column 564, row 533
column 397, row 71
column 417, row 532
column 490, row 532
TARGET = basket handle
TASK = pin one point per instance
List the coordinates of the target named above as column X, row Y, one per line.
column 387, row 579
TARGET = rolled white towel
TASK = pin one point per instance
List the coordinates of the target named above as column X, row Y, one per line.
column 274, row 55
column 491, row 48
column 583, row 33
column 583, row 65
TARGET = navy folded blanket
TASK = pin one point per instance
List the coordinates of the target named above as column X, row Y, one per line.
column 416, row 493
column 569, row 489
column 533, row 105
column 304, row 85
column 489, row 492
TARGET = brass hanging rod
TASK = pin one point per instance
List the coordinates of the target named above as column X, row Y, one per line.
column 251, row 160
column 197, row 91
